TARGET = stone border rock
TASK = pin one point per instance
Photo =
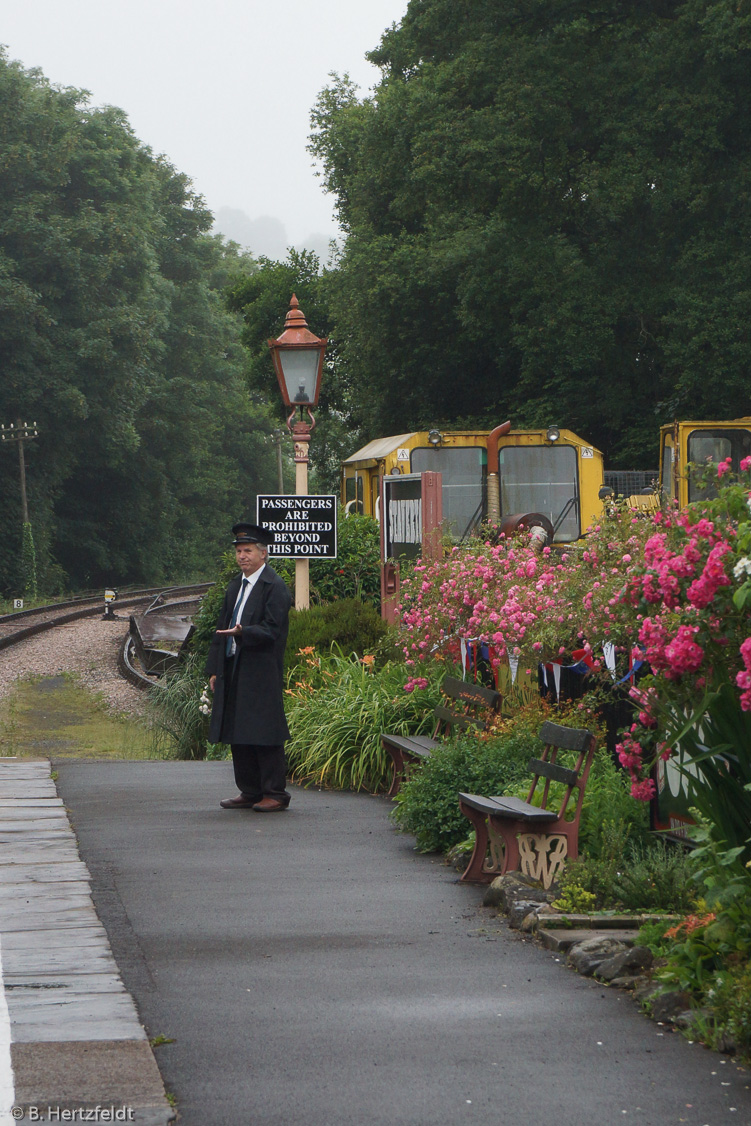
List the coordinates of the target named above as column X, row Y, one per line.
column 603, row 949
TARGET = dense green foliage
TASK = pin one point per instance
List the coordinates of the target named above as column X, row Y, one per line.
column 28, row 563
column 547, row 213
column 115, row 340
column 707, row 953
column 356, row 571
column 427, row 804
column 628, row 875
column 351, row 626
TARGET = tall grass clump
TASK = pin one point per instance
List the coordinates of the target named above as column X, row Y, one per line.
column 337, row 711
column 179, row 728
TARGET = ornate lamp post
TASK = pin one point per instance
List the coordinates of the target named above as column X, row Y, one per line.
column 298, row 362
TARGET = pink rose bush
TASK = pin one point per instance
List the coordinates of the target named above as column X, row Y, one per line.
column 689, row 599
column 519, row 603
column 670, row 590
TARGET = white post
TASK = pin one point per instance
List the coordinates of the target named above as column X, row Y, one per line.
column 301, row 438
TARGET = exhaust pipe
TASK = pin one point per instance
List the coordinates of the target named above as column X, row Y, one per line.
column 494, row 487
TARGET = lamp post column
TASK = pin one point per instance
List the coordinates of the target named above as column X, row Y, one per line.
column 298, row 361
column 301, row 439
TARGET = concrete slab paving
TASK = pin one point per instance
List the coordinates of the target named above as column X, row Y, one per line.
column 58, row 872
column 33, row 788
column 76, row 1041
column 85, row 954
column 557, row 938
column 89, row 980
column 54, row 915
column 125, row 1073
column 78, row 890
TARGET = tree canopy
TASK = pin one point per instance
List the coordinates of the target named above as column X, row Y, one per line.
column 115, row 339
column 547, row 214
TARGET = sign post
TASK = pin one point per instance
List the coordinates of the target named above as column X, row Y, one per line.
column 110, row 596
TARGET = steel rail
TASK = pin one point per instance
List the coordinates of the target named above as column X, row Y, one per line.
column 97, row 600
column 91, row 608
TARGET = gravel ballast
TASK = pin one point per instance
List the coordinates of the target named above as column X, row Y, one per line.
column 89, row 647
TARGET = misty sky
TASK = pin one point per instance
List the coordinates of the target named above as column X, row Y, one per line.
column 224, row 89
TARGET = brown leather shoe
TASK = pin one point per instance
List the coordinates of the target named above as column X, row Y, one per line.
column 240, row 802
column 270, row 805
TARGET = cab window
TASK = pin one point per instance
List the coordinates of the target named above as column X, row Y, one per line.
column 463, row 483
column 668, row 482
column 705, row 446
column 353, row 493
column 542, row 479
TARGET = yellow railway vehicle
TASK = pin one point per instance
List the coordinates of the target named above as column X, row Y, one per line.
column 697, row 443
column 488, row 475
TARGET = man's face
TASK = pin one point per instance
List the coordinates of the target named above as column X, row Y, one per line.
column 249, row 556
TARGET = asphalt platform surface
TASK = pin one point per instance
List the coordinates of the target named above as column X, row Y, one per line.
column 311, row 967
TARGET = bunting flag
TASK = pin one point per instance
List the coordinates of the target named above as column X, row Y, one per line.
column 473, row 651
column 494, row 656
column 631, row 672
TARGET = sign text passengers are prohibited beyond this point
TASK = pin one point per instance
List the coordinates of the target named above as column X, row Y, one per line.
column 304, row 527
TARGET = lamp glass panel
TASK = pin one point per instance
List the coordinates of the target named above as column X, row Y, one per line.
column 542, row 479
column 300, row 368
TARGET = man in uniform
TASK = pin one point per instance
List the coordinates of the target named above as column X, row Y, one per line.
column 245, row 670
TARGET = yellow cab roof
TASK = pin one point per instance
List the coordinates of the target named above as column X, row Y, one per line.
column 380, row 447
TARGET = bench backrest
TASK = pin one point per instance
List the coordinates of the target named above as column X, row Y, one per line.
column 547, row 768
column 471, row 704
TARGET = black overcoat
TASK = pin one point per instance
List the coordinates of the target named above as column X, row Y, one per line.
column 250, row 709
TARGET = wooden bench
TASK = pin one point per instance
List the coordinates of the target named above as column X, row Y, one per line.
column 514, row 835
column 470, row 708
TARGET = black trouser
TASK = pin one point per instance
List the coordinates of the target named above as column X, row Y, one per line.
column 260, row 771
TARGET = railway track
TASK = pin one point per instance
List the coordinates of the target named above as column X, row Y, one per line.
column 44, row 618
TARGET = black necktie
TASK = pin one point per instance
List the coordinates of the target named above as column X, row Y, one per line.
column 235, row 615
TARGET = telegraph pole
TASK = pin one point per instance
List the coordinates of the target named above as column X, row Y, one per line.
column 22, row 432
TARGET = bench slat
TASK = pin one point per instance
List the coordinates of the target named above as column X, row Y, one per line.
column 567, row 738
column 553, row 771
column 516, row 808
column 420, row 745
column 477, row 801
column 508, row 808
column 445, row 715
column 471, row 693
